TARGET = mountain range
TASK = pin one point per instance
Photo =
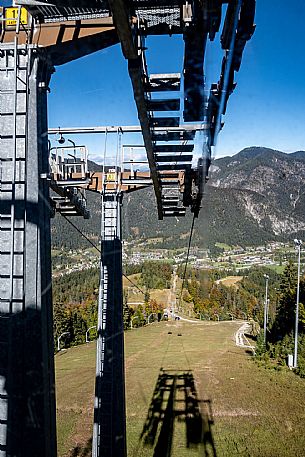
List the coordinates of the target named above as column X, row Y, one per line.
column 253, row 197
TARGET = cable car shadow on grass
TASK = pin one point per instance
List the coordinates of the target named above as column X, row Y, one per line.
column 175, row 399
column 82, row 451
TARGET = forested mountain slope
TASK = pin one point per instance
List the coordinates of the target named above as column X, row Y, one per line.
column 255, row 196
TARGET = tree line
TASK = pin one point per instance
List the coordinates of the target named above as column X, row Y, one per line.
column 154, row 274
column 75, row 298
column 281, row 328
column 212, row 299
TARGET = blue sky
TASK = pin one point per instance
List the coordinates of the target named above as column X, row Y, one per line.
column 266, row 109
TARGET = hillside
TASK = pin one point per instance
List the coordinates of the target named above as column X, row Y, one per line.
column 253, row 197
column 196, row 394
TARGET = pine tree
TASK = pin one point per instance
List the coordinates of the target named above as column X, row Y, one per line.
column 60, row 321
column 127, row 313
column 285, row 318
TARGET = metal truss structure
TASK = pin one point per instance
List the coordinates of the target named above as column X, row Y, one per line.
column 35, row 36
column 130, row 22
column 109, row 430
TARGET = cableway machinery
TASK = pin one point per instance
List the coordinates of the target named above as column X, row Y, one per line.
column 35, row 37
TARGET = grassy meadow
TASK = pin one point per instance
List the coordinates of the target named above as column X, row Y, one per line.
column 190, row 392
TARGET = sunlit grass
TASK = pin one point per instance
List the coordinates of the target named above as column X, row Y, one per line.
column 252, row 411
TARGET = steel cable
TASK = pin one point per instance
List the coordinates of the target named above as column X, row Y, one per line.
column 99, row 250
column 187, row 259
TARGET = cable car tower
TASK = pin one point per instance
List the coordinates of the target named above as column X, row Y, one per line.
column 35, row 37
column 112, row 183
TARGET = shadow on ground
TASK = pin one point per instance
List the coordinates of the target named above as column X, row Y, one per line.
column 175, row 399
column 82, row 451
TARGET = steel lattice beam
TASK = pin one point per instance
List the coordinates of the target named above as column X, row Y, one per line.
column 109, row 430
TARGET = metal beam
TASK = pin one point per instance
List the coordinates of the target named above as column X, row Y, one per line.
column 178, row 212
column 174, row 167
column 170, row 183
column 228, row 40
column 169, row 175
column 164, row 122
column 174, row 136
column 97, row 181
column 173, row 158
column 164, row 104
column 174, row 148
column 63, row 53
column 136, row 75
column 122, row 21
column 163, row 82
column 127, row 129
column 67, row 40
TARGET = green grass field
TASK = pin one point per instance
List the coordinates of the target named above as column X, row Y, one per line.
column 230, row 281
column 161, row 296
column 224, row 246
column 277, row 268
column 191, row 395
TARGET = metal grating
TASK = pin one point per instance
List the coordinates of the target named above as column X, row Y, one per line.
column 157, row 16
column 55, row 14
column 54, row 11
column 154, row 13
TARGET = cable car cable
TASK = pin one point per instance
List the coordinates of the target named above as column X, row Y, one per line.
column 95, row 247
column 187, row 258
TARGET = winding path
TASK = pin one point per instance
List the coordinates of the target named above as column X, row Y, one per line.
column 241, row 339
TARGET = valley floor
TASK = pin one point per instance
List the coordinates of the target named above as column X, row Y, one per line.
column 190, row 392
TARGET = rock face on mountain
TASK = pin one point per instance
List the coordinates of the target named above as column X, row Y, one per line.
column 269, row 185
column 253, row 197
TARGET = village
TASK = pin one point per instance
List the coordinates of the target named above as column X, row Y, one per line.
column 273, row 255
